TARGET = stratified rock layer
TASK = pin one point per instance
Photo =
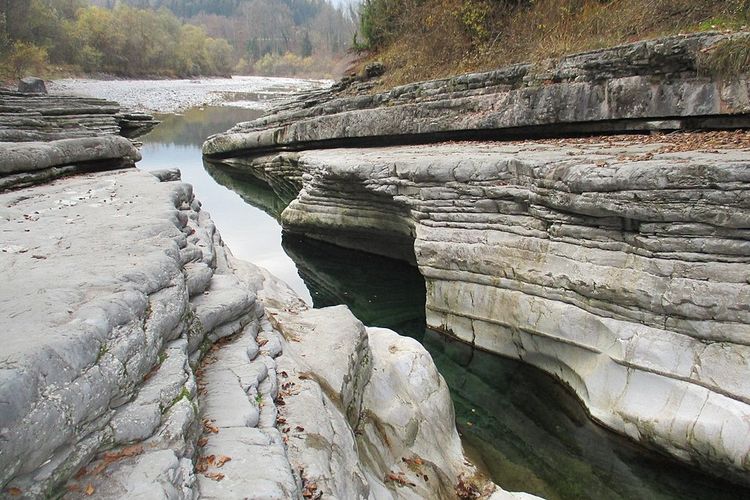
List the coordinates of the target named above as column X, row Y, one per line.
column 40, row 117
column 650, row 85
column 619, row 267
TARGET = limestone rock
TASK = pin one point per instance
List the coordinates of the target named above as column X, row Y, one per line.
column 41, row 117
column 33, row 156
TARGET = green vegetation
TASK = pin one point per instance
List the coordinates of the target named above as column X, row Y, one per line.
column 423, row 39
column 171, row 38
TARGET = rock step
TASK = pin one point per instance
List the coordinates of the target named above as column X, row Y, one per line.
column 242, row 453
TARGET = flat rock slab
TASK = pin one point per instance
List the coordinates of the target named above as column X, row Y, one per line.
column 84, row 259
column 31, row 156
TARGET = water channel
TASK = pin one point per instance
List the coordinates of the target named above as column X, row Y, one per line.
column 521, row 427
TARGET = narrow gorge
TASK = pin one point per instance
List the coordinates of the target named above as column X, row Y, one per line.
column 617, row 263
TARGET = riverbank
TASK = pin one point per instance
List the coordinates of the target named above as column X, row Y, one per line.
column 172, row 96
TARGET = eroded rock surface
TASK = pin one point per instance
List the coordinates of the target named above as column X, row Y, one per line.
column 621, row 268
column 33, row 116
column 152, row 364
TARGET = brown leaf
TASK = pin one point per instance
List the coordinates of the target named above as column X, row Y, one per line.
column 14, row 492
column 222, row 460
column 203, row 442
column 262, row 342
column 209, row 426
column 299, row 428
column 216, row 476
column 89, row 490
column 128, row 451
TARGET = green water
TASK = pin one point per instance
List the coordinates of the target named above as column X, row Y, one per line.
column 518, row 424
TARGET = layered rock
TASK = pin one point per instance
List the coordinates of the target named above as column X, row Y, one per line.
column 617, row 265
column 621, row 268
column 41, row 117
column 44, row 137
column 152, row 364
column 650, row 85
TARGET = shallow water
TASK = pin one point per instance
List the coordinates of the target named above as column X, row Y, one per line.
column 518, row 424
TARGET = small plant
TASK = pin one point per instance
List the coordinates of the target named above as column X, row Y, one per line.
column 259, row 399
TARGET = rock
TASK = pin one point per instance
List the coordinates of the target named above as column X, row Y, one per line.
column 33, row 156
column 109, row 324
column 33, row 117
column 373, row 70
column 648, row 85
column 592, row 259
column 366, row 413
column 32, row 85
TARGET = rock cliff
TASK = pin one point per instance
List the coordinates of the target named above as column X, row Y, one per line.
column 617, row 264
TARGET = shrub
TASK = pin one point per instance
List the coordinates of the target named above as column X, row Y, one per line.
column 26, row 57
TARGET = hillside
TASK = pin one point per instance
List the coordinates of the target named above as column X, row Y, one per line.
column 173, row 38
column 425, row 39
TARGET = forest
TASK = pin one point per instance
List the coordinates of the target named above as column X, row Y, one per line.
column 172, row 38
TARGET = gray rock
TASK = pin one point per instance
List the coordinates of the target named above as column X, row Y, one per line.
column 167, row 174
column 40, row 117
column 612, row 272
column 649, row 85
column 34, row 156
column 32, row 85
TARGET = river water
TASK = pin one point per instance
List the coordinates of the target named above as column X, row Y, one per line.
column 521, row 427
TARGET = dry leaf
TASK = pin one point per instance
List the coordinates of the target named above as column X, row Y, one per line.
column 89, row 490
column 222, row 460
column 203, row 442
column 209, row 426
column 14, row 492
column 216, row 476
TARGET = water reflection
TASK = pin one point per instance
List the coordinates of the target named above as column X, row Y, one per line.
column 519, row 425
column 250, row 233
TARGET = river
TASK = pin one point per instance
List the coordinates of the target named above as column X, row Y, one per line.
column 518, row 424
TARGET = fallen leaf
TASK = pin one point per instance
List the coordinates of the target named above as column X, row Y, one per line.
column 14, row 492
column 89, row 490
column 222, row 460
column 209, row 426
column 262, row 342
column 299, row 428
column 216, row 476
column 202, row 442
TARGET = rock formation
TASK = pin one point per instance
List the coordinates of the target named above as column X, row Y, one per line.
column 154, row 364
column 619, row 265
column 44, row 137
column 651, row 85
column 40, row 117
